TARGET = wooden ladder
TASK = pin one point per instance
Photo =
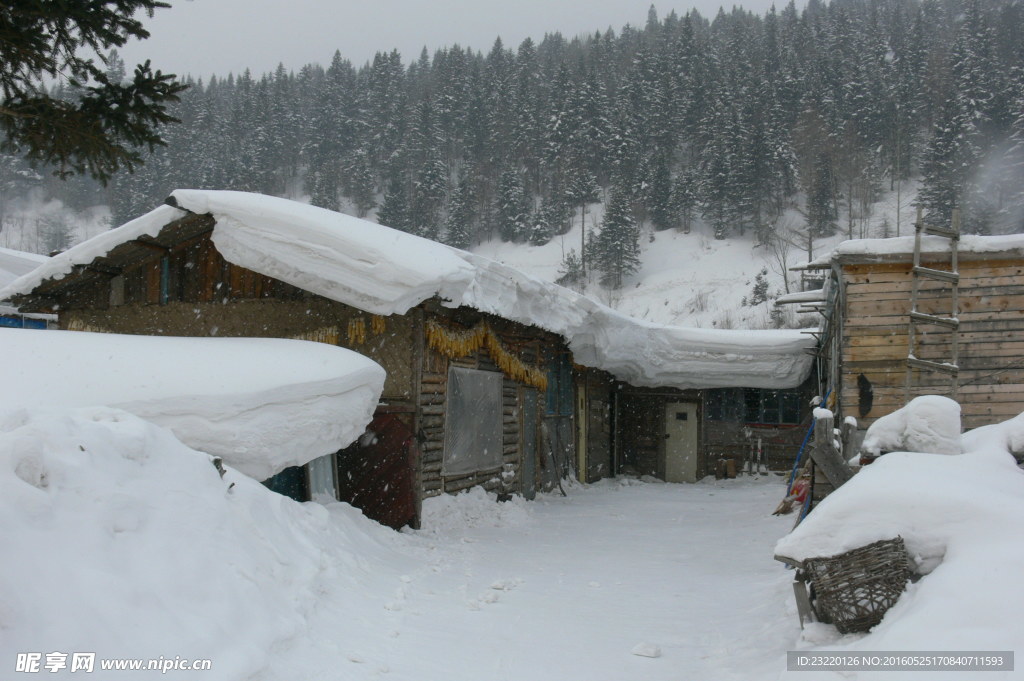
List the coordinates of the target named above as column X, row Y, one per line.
column 951, row 323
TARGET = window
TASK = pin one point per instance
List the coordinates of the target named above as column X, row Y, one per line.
column 753, row 405
column 472, row 433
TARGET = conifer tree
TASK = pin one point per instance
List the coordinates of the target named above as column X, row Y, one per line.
column 512, row 210
column 617, row 245
column 458, row 228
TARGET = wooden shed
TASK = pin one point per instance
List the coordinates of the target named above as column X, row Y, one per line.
column 685, row 435
column 510, row 428
column 868, row 317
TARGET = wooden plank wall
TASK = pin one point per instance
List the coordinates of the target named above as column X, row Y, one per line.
column 730, row 440
column 991, row 338
column 431, row 406
column 599, row 424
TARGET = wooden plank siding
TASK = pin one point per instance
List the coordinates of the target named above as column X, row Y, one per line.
column 990, row 339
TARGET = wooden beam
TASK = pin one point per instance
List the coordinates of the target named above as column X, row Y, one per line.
column 825, row 454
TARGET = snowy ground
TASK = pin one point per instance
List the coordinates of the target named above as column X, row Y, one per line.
column 121, row 541
column 565, row 588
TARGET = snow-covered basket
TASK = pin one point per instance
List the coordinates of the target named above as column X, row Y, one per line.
column 853, row 590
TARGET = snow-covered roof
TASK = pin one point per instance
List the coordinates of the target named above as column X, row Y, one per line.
column 801, row 297
column 14, row 264
column 971, row 245
column 385, row 271
column 303, row 400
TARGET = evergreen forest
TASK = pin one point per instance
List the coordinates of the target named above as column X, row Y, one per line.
column 732, row 120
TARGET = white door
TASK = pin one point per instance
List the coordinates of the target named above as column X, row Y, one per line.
column 681, row 439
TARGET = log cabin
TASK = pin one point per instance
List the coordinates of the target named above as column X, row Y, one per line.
column 494, row 378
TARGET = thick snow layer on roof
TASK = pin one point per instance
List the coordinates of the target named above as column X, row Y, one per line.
column 260, row 404
column 56, row 267
column 384, row 271
column 814, row 296
column 904, row 245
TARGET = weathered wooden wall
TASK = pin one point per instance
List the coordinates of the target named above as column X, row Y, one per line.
column 736, row 441
column 991, row 338
column 596, row 388
column 640, row 419
column 527, row 344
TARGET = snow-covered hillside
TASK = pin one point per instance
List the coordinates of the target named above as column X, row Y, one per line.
column 696, row 280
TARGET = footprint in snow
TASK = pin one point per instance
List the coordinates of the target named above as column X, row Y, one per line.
column 646, row 650
column 506, row 584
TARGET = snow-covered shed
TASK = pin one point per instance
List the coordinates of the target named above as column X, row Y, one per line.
column 866, row 343
column 493, row 377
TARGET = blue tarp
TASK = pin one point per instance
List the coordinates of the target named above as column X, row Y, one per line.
column 18, row 322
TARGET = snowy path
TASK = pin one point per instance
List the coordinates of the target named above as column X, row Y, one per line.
column 564, row 588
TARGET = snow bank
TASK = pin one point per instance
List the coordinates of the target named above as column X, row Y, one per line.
column 929, row 423
column 261, row 404
column 384, row 271
column 960, row 519
column 1006, row 437
column 472, row 508
column 120, row 540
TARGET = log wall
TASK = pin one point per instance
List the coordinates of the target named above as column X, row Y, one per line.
column 991, row 338
column 527, row 344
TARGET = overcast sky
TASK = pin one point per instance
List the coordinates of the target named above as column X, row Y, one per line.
column 204, row 37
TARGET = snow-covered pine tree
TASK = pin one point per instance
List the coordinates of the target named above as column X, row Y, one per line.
column 661, row 208
column 458, row 227
column 512, row 209
column 617, row 245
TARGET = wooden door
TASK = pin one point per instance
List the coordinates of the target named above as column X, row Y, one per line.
column 681, row 441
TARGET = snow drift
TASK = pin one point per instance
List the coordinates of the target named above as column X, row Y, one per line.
column 929, row 423
column 959, row 517
column 120, row 540
column 384, row 271
column 260, row 404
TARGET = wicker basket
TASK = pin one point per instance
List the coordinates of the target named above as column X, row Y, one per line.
column 853, row 590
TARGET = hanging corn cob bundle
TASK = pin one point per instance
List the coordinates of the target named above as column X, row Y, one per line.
column 326, row 334
column 356, row 331
column 378, row 325
column 453, row 344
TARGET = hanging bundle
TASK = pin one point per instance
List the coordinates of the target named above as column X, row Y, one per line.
column 356, row 331
column 378, row 324
column 454, row 344
column 326, row 334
